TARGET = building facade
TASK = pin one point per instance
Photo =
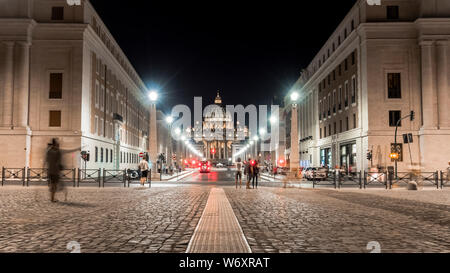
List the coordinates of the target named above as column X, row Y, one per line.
column 381, row 63
column 63, row 76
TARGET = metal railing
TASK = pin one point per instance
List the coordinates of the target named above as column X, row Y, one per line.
column 115, row 176
column 375, row 178
column 89, row 176
column 331, row 178
column 351, row 178
column 13, row 175
column 36, row 175
column 422, row 179
column 445, row 179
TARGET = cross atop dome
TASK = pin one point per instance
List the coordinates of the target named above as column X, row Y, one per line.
column 218, row 99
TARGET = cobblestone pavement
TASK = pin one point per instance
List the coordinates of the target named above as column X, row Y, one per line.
column 293, row 220
column 163, row 219
column 100, row 220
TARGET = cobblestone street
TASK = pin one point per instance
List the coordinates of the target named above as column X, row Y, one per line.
column 164, row 218
column 100, row 220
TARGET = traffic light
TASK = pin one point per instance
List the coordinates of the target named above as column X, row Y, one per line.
column 86, row 156
column 413, row 115
column 213, row 150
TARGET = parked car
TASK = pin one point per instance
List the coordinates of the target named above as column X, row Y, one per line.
column 318, row 173
column 219, row 165
column 133, row 174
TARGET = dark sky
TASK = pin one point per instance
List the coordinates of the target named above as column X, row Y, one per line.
column 250, row 50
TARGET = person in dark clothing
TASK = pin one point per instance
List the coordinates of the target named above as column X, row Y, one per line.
column 53, row 161
column 255, row 173
column 248, row 171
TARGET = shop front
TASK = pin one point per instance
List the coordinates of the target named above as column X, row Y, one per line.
column 348, row 156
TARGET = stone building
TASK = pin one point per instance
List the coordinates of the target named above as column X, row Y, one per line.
column 62, row 75
column 381, row 63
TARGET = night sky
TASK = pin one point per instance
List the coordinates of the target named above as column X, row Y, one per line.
column 250, row 51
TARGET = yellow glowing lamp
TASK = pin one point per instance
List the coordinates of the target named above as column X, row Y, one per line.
column 394, row 156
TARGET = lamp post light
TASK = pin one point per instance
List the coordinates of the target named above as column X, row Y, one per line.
column 153, row 145
column 294, row 157
column 169, row 121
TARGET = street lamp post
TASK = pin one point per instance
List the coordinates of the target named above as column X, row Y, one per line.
column 294, row 157
column 169, row 121
column 153, row 144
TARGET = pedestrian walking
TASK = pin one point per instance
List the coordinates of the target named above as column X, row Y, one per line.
column 255, row 174
column 239, row 173
column 143, row 169
column 54, row 164
column 248, row 172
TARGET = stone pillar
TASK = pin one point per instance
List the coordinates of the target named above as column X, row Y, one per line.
column 429, row 95
column 294, row 157
column 8, row 70
column 21, row 84
column 442, row 85
column 153, row 141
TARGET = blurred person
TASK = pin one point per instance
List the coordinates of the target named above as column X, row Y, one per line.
column 255, row 173
column 239, row 173
column 248, row 172
column 53, row 162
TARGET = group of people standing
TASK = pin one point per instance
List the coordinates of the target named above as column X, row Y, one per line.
column 250, row 169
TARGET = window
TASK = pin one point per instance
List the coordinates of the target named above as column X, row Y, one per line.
column 324, row 131
column 102, row 124
column 334, row 101
column 353, row 58
column 340, row 98
column 96, row 126
column 320, row 132
column 329, row 129
column 111, row 156
column 353, row 89
column 346, row 124
column 107, row 153
column 334, row 75
column 353, row 25
column 335, row 129
column 55, row 119
column 340, row 70
column 340, row 126
column 392, row 12
column 346, row 64
column 96, row 154
column 394, row 117
column 97, row 95
column 56, row 85
column 394, row 86
column 345, row 33
column 101, row 155
column 57, row 13
column 354, row 121
column 102, row 98
column 346, row 94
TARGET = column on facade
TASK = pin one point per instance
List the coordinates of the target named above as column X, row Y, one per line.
column 429, row 94
column 21, row 84
column 8, row 70
column 442, row 84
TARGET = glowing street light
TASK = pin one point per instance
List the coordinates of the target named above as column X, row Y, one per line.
column 169, row 120
column 177, row 131
column 255, row 138
column 294, row 96
column 153, row 95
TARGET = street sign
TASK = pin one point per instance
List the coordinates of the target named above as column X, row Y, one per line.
column 141, row 155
